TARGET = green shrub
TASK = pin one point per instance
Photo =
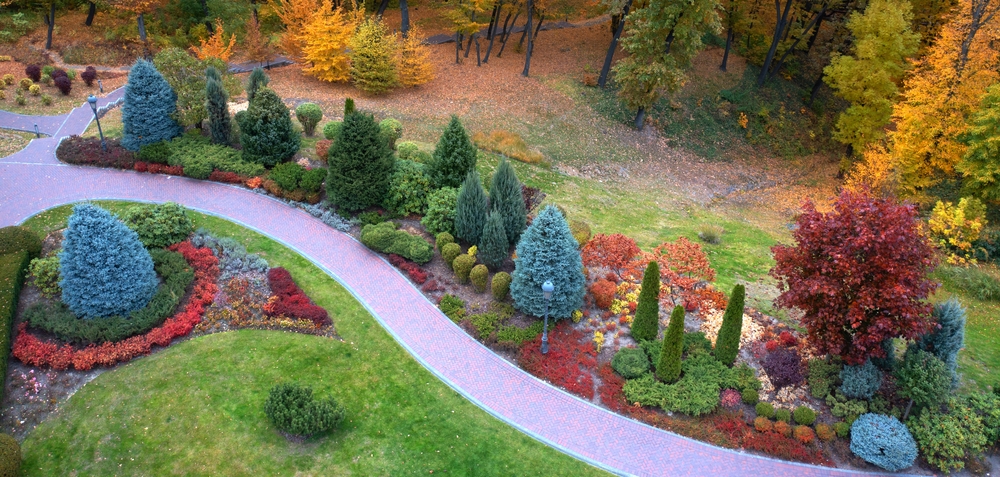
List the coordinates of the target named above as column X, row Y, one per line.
column 947, row 439
column 463, row 266
column 155, row 153
column 646, row 391
column 479, row 275
column 195, row 148
column 646, row 324
column 287, row 175
column 765, row 409
column 697, row 392
column 987, row 406
column 516, row 336
column 923, row 378
column 783, row 415
column 12, row 267
column 824, row 376
column 309, row 115
column 727, row 345
column 668, row 364
column 449, row 252
column 293, row 409
column 485, row 324
column 630, row 363
column 443, row 239
column 332, row 129
column 804, row 416
column 883, row 441
column 372, row 217
column 500, row 286
column 385, row 238
column 440, row 215
column 10, row 456
column 846, row 409
column 14, row 239
column 409, row 187
column 312, row 180
column 842, row 429
column 407, row 151
column 750, row 396
column 391, row 130
column 860, row 382
column 453, row 307
column 695, row 343
column 266, row 131
column 45, row 272
column 454, row 156
column 46, row 100
column 197, row 169
column 971, row 280
column 159, row 225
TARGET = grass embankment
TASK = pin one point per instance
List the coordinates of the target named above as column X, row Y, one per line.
column 196, row 407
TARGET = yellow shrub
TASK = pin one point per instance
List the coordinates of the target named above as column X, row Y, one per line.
column 953, row 229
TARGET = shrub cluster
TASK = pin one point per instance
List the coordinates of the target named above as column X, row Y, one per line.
column 946, row 439
column 823, row 376
column 233, row 257
column 784, row 367
column 292, row 301
column 159, row 225
column 87, row 152
column 516, row 336
column 440, row 216
column 385, row 238
column 293, row 409
column 453, row 307
column 883, row 441
column 409, row 188
column 200, row 157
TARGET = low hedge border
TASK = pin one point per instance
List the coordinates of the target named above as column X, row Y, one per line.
column 12, row 271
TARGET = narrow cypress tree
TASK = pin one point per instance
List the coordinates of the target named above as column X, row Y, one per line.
column 506, row 196
column 266, row 131
column 148, row 109
column 947, row 338
column 258, row 79
column 349, row 107
column 104, row 267
column 727, row 344
column 647, row 312
column 493, row 245
column 454, row 156
column 668, row 369
column 548, row 252
column 360, row 164
column 470, row 210
column 217, row 103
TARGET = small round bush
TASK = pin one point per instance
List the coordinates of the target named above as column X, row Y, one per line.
column 8, row 79
column 860, row 382
column 332, row 129
column 160, row 225
column 783, row 428
column 804, row 416
column 463, row 266
column 71, row 74
column 407, row 151
column 765, row 409
column 763, row 424
column 783, row 415
column 442, row 239
column 479, row 275
column 750, row 396
column 15, row 238
column 804, row 434
column 312, row 179
column 391, row 130
column 46, row 80
column 294, row 410
column 449, row 251
column 21, row 100
column 89, row 75
column 286, row 175
column 883, row 441
column 64, row 84
column 630, row 363
column 580, row 230
column 156, row 153
column 25, row 83
column 500, row 286
column 309, row 115
column 45, row 272
column 34, row 72
column 34, row 90
column 784, row 367
column 48, row 70
column 842, row 429
column 46, row 100
column 825, row 432
column 10, row 456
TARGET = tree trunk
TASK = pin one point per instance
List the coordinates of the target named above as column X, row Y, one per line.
column 603, row 78
column 815, row 89
column 670, row 41
column 907, row 412
column 381, row 8
column 538, row 28
column 493, row 32
column 204, row 13
column 51, row 20
column 527, row 56
column 812, row 39
column 756, row 5
column 640, row 118
column 479, row 58
column 142, row 28
column 524, row 32
column 493, row 20
column 91, row 11
column 778, row 33
column 468, row 47
column 729, row 44
column 458, row 47
column 404, row 18
column 503, row 43
column 791, row 48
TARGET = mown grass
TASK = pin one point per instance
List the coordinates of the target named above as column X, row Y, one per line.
column 979, row 360
column 196, row 407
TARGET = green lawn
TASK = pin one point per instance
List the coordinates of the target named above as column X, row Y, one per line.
column 196, row 408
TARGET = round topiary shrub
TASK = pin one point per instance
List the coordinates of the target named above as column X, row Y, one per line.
column 463, row 266
column 804, row 434
column 294, row 410
column 479, row 276
column 449, row 252
column 765, row 409
column 392, row 130
column 159, row 225
column 750, row 396
column 34, row 72
column 332, row 129
column 64, row 84
column 804, row 416
column 783, row 415
column 287, row 175
column 309, row 115
column 500, row 286
column 824, row 432
column 883, row 441
column 34, row 90
column 407, row 151
column 842, row 429
column 762, row 424
column 784, row 367
column 89, row 75
column 15, row 238
column 442, row 239
column 10, row 456
column 630, row 363
column 24, row 84
column 860, row 382
column 783, row 428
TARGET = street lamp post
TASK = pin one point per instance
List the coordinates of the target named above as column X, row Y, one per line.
column 93, row 105
column 547, row 289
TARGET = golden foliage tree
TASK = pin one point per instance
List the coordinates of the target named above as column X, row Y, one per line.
column 414, row 65
column 373, row 58
column 874, row 173
column 295, row 15
column 255, row 47
column 216, row 45
column 325, row 41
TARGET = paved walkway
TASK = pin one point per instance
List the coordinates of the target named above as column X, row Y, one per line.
column 35, row 181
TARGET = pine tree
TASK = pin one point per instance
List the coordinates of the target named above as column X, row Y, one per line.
column 105, row 269
column 414, row 65
column 361, row 164
column 325, row 43
column 727, row 344
column 373, row 58
column 980, row 166
column 646, row 324
column 947, row 337
column 668, row 368
column 548, row 252
column 454, row 156
column 493, row 246
column 507, row 198
column 217, row 103
column 257, row 80
column 266, row 131
column 470, row 211
column 149, row 106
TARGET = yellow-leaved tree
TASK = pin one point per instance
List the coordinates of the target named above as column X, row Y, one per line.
column 325, row 41
column 414, row 65
column 373, row 57
column 216, row 45
column 874, row 173
column 296, row 15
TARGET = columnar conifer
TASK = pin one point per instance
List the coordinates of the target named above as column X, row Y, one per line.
column 493, row 246
column 266, row 131
column 454, row 156
column 361, row 164
column 470, row 210
column 217, row 103
column 647, row 312
column 668, row 368
column 506, row 197
column 727, row 344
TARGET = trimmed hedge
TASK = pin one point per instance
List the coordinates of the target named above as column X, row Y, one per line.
column 12, row 270
column 15, row 239
column 385, row 238
column 10, row 456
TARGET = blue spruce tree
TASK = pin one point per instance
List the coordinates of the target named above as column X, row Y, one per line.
column 548, row 252
column 947, row 336
column 470, row 209
column 149, row 105
column 104, row 267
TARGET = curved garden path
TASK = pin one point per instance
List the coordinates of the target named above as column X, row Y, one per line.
column 33, row 181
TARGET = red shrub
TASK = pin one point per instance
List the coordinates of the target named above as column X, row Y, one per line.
column 322, row 147
column 787, row 339
column 139, row 166
column 733, row 426
column 684, row 258
column 417, row 274
column 431, row 286
column 610, row 390
column 804, row 434
column 771, row 345
column 568, row 364
column 730, row 398
column 89, row 75
column 64, row 84
column 706, row 296
column 613, row 251
column 58, row 73
column 34, row 72
column 174, row 170
column 228, row 177
column 783, row 428
column 775, row 444
column 604, row 293
column 87, row 152
column 292, row 301
column 154, row 168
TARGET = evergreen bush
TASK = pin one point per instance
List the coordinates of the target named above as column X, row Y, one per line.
column 449, row 252
column 507, row 198
column 470, row 209
column 668, row 368
column 442, row 239
column 15, row 238
column 409, row 187
column 493, row 245
column 947, row 439
column 948, row 337
column 45, row 273
column 783, row 415
column 10, row 456
column 765, row 409
column 257, row 80
column 332, row 129
column 548, row 252
column 440, row 216
column 727, row 344
column 463, row 267
column 360, row 165
column 407, row 150
column 804, row 416
column 105, row 268
column 150, row 103
column 373, row 57
column 824, row 375
column 750, row 396
column 385, row 238
column 309, row 115
column 923, row 379
column 287, row 175
column 159, row 225
column 860, row 382
column 392, row 130
column 646, row 323
column 479, row 275
column 500, row 286
column 630, row 363
column 266, row 131
column 883, row 441
column 217, row 103
column 454, row 156
column 155, row 153
column 312, row 180
column 453, row 307
column 293, row 409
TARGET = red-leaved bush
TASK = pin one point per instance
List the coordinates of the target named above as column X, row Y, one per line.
column 610, row 390
column 604, row 293
column 730, row 398
column 89, row 75
column 417, row 274
column 86, row 151
column 292, row 301
column 227, row 177
column 568, row 364
column 859, row 273
column 33, row 351
column 613, row 251
column 775, row 444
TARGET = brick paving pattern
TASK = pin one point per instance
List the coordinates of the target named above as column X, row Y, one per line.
column 34, row 181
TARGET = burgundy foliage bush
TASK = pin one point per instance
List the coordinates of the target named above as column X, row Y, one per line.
column 784, row 367
column 417, row 274
column 86, row 151
column 89, row 75
column 34, row 72
column 64, row 84
column 292, row 301
column 228, row 177
column 59, row 73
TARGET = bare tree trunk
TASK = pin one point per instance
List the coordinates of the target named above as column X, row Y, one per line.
column 381, row 8
column 541, row 18
column 815, row 89
column 204, row 13
column 791, row 48
column 493, row 31
column 506, row 36
column 493, row 20
column 91, row 12
column 458, row 47
column 779, row 30
column 404, row 17
column 51, row 20
column 602, row 80
column 142, row 28
column 640, row 118
column 479, row 58
column 527, row 56
column 729, row 44
column 472, row 37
